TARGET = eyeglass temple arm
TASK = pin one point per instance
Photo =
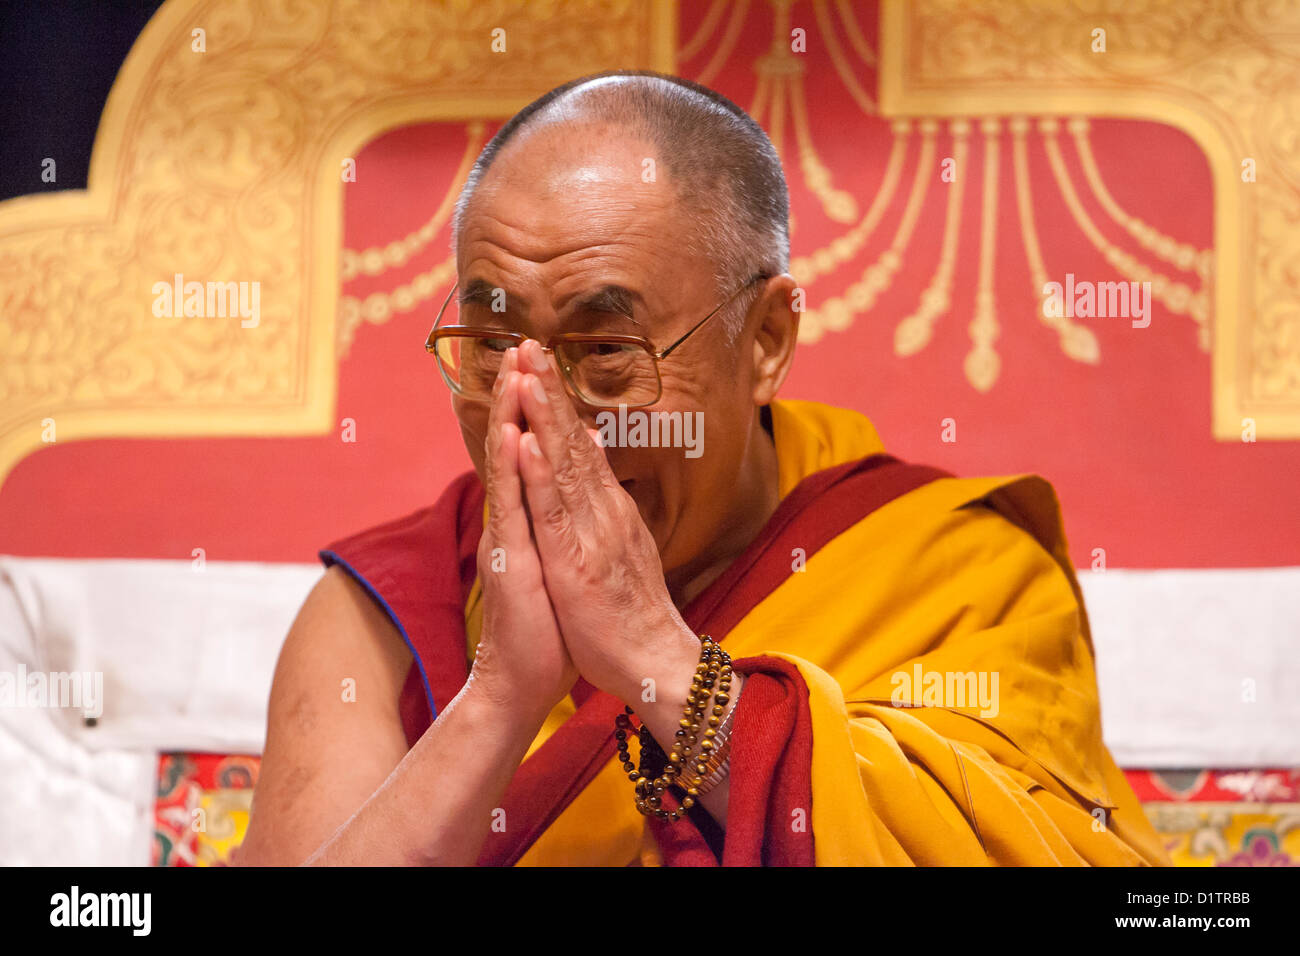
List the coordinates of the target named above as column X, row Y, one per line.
column 443, row 310
column 667, row 351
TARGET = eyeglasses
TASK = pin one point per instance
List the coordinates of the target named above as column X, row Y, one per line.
column 600, row 370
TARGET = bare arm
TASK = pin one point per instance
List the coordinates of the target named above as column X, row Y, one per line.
column 337, row 785
column 436, row 807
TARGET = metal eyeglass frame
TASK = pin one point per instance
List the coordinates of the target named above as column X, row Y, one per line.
column 464, row 331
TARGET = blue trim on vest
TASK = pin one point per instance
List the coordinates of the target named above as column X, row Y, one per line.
column 330, row 559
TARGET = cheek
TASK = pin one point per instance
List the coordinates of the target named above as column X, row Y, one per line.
column 688, row 477
column 686, row 386
column 473, row 420
column 723, row 401
column 710, row 394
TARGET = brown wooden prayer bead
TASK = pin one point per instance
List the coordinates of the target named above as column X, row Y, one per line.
column 657, row 771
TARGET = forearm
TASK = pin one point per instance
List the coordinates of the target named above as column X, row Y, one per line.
column 435, row 809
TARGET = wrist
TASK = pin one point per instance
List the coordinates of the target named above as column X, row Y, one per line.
column 489, row 707
column 694, row 738
column 663, row 675
column 659, row 704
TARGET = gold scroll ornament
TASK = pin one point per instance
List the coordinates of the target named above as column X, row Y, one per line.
column 223, row 164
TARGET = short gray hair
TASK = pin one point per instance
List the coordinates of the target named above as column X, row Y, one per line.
column 726, row 170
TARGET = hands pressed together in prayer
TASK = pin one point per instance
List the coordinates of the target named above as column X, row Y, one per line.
column 582, row 591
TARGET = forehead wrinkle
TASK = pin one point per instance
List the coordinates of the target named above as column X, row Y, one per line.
column 592, row 180
column 605, row 210
column 527, row 245
column 609, row 298
column 518, row 215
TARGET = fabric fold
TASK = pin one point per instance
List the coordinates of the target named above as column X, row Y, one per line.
column 873, row 579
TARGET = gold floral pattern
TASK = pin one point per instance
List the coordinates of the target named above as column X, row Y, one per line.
column 223, row 164
column 1226, row 74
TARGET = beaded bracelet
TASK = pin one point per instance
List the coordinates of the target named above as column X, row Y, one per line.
column 657, row 772
column 716, row 766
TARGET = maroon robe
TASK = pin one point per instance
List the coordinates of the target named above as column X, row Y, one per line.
column 419, row 570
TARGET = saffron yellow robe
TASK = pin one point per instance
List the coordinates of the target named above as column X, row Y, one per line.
column 960, row 577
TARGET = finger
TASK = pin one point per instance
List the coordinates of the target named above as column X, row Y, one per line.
column 511, row 523
column 509, row 528
column 547, row 405
column 504, row 408
column 553, row 523
column 603, row 466
column 505, row 493
column 561, row 434
column 505, row 399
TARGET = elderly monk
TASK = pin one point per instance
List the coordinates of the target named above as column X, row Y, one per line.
column 778, row 645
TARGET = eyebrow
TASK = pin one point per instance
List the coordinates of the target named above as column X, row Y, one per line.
column 477, row 292
column 611, row 299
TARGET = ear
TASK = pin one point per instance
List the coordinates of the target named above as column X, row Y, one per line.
column 776, row 331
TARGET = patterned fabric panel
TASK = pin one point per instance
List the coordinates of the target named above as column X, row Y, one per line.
column 1224, row 817
column 1219, row 786
column 1208, row 817
column 201, row 809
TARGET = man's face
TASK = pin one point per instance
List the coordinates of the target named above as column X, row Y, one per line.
column 563, row 213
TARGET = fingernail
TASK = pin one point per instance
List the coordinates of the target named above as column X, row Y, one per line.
column 535, row 448
column 539, row 392
column 537, row 359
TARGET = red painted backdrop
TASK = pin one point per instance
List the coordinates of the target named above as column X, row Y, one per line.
column 1126, row 442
